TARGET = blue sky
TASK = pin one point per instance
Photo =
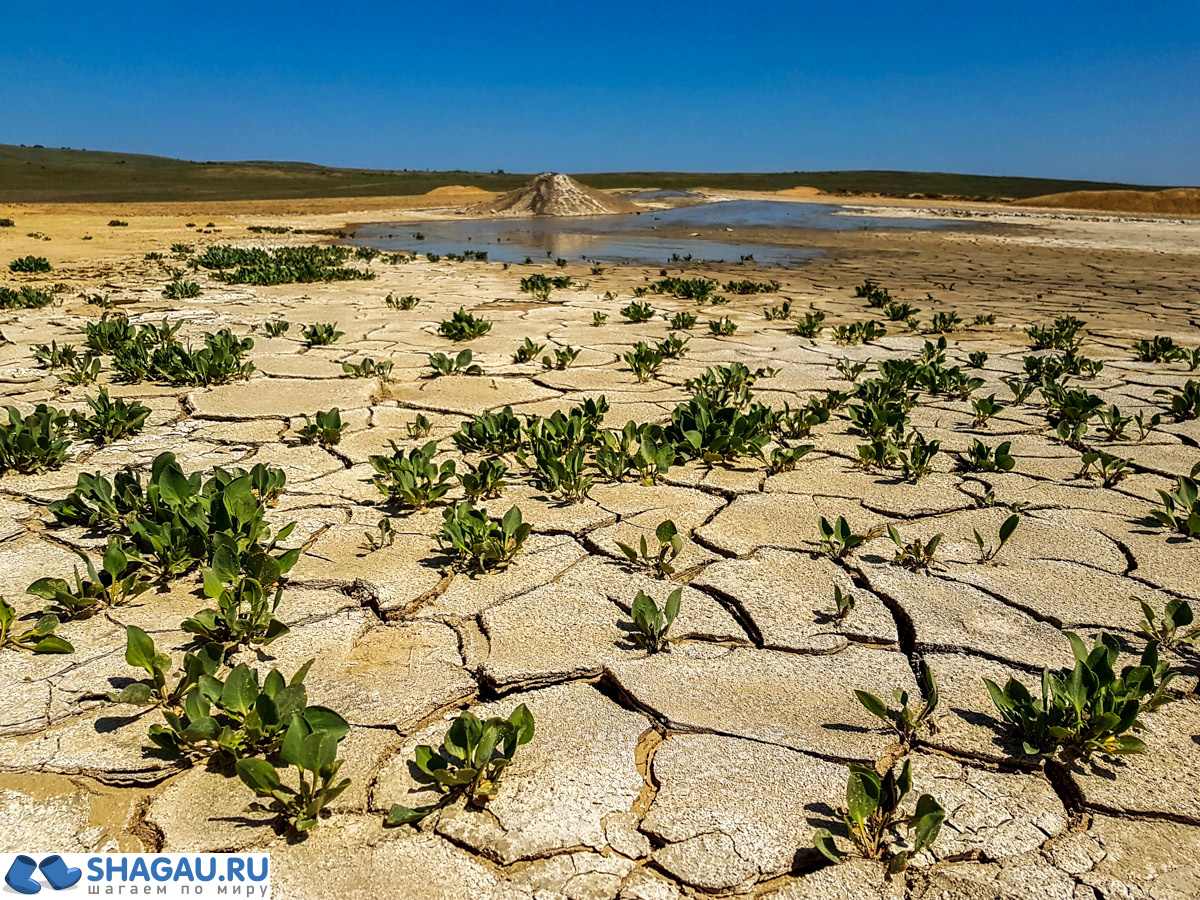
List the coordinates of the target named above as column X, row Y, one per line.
column 1100, row 90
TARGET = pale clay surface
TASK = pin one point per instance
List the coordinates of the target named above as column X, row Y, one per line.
column 652, row 777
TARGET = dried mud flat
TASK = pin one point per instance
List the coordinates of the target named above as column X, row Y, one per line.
column 702, row 770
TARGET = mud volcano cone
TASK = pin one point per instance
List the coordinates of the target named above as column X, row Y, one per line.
column 551, row 194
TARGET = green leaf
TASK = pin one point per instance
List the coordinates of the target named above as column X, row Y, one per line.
column 402, row 815
column 258, row 775
column 53, row 644
column 139, row 649
column 874, row 705
column 240, row 691
column 1007, row 529
column 928, row 820
column 823, row 841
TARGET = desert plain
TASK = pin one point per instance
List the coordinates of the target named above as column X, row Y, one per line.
column 700, row 770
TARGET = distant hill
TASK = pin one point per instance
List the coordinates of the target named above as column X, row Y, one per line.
column 1176, row 201
column 42, row 174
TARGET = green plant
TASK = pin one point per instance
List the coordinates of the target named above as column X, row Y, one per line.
column 599, row 318
column 470, row 761
column 907, row 723
column 7, row 223
column 809, row 326
column 849, row 369
column 34, row 443
column 153, row 690
column 837, row 539
column 313, row 754
column 637, row 311
column 245, row 613
column 1184, row 402
column 778, row 313
column 1020, row 390
column 101, row 300
column 874, row 819
column 30, row 265
column 564, row 475
column 722, row 327
column 454, row 365
column 982, row 319
column 1145, row 426
column 876, row 296
column 325, row 428
column 843, row 603
column 1158, row 349
column 987, row 553
column 915, row 555
column 462, row 326
column 1089, row 709
column 406, row 302
column 563, row 357
column 916, row 455
column 1111, row 469
column 1177, row 615
column 108, row 333
column 181, row 289
column 482, row 543
column 1191, row 357
column 484, row 482
column 528, row 351
column 51, row 356
column 1180, row 512
column 38, row 639
column 672, row 346
column 682, row 321
column 413, row 479
column 670, row 544
column 784, row 459
column 644, row 360
column 1062, row 335
column 110, row 420
column 82, row 370
column 320, row 334
column 369, row 368
column 944, row 322
column 120, row 579
column 420, row 427
column 652, row 624
column 982, row 458
column 489, row 432
column 1113, row 423
column 182, row 249
column 383, row 536
column 279, row 265
column 985, row 408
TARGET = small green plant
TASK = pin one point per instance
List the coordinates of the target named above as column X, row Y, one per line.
column 1181, row 511
column 644, row 360
column 462, row 326
column 1185, row 402
column 320, row 334
column 785, row 459
column 809, row 326
column 1157, row 349
column 837, row 539
column 481, row 543
column 984, row 409
column 722, row 327
column 907, row 723
column 778, row 313
column 528, row 351
column 599, row 318
column 413, row 479
column 383, row 536
column 1089, row 709
column 843, row 603
column 489, row 432
column 637, row 311
column 1113, row 424
column 670, row 544
column 82, row 370
column 34, row 443
column 984, row 319
column 313, row 754
column 120, row 578
column 1021, row 390
column 987, row 553
column 915, row 555
column 460, row 364
column 110, row 420
column 104, row 301
column 245, row 613
column 672, row 346
column 1172, row 632
column 944, row 322
column 977, row 360
column 682, row 321
column 563, row 357
column 1062, row 335
column 418, row 428
column 181, row 289
column 484, row 482
column 31, row 265
column 369, row 368
column 153, row 690
column 38, row 639
column 51, row 356
column 325, row 428
column 849, row 369
column 874, row 820
column 982, row 458
column 469, row 763
column 1146, row 425
column 915, row 457
column 652, row 625
column 117, row 223
column 1111, row 469
column 406, row 302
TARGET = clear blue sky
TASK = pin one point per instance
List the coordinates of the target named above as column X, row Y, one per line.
column 1101, row 90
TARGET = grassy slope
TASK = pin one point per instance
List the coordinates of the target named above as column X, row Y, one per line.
column 30, row 175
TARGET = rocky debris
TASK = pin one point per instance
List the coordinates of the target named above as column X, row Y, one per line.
column 553, row 194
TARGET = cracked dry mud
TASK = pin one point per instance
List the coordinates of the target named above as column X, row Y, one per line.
column 702, row 770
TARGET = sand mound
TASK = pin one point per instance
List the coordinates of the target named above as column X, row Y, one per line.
column 551, row 194
column 798, row 191
column 458, row 192
column 1176, row 201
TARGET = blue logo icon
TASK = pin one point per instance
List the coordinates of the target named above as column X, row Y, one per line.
column 54, row 869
